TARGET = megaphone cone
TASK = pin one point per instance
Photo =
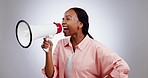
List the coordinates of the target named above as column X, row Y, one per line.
column 26, row 33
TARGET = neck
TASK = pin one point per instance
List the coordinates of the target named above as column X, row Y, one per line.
column 76, row 39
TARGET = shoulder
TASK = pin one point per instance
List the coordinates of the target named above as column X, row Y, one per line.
column 96, row 43
column 63, row 41
column 100, row 46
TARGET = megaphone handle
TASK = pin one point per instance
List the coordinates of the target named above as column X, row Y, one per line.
column 46, row 49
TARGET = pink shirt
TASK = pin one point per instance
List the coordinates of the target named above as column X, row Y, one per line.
column 90, row 60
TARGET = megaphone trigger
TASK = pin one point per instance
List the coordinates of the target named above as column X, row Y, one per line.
column 51, row 36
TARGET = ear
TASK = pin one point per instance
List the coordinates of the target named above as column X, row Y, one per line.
column 80, row 25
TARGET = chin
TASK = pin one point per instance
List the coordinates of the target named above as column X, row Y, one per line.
column 66, row 35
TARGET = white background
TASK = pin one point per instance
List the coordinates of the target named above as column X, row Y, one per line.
column 121, row 25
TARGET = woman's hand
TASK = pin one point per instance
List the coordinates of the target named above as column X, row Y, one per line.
column 47, row 45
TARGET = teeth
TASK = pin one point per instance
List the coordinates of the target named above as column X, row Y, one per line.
column 65, row 27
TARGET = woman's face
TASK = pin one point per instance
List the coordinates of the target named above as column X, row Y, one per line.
column 71, row 24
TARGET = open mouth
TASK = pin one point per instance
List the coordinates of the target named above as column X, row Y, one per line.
column 65, row 29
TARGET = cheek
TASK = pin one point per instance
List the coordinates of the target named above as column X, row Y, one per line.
column 74, row 27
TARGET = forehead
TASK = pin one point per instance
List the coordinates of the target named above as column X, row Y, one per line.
column 71, row 13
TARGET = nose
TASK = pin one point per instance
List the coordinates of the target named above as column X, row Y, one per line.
column 63, row 22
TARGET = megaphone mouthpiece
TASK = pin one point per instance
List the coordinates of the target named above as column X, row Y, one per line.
column 59, row 27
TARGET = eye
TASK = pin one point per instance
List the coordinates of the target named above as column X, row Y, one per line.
column 67, row 18
column 63, row 19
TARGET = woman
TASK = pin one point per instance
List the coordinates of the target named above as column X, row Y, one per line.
column 80, row 56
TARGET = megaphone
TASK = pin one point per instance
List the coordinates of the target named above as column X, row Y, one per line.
column 26, row 33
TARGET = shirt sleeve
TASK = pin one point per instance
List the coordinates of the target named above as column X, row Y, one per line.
column 55, row 73
column 112, row 64
column 43, row 72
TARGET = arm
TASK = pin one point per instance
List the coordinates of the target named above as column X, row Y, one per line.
column 49, row 68
column 112, row 66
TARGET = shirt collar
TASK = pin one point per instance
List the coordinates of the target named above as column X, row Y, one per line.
column 81, row 45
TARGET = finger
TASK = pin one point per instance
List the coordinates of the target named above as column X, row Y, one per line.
column 44, row 39
column 45, row 46
column 46, row 42
column 50, row 42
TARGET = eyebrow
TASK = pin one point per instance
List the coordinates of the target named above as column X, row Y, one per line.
column 68, row 16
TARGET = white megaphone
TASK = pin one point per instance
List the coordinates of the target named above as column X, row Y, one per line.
column 26, row 33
